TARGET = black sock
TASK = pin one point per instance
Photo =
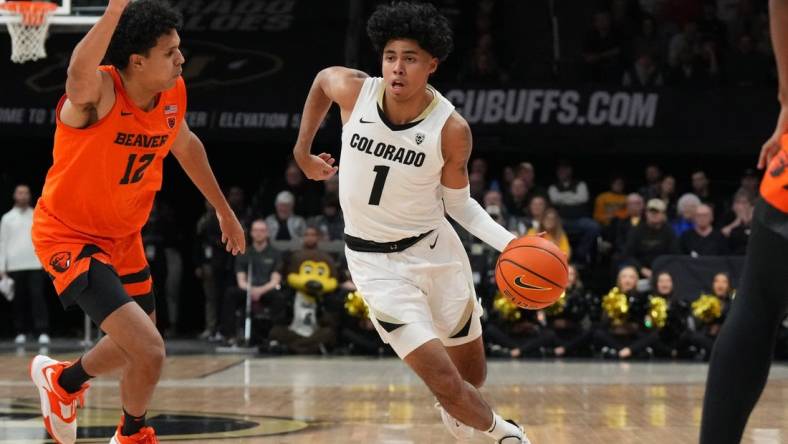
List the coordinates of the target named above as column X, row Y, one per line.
column 73, row 377
column 132, row 424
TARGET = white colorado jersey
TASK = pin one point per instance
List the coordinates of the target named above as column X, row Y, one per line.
column 390, row 175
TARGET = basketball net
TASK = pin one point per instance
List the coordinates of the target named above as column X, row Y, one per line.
column 30, row 32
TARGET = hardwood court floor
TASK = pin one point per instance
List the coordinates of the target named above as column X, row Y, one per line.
column 219, row 399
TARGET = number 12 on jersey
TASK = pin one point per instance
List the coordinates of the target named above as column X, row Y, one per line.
column 381, row 171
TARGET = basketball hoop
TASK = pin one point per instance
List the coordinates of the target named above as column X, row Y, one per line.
column 29, row 33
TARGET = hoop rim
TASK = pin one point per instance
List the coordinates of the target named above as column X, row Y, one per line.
column 17, row 7
column 33, row 13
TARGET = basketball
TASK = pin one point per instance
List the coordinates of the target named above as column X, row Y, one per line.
column 532, row 272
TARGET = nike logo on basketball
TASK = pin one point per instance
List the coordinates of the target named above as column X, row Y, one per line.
column 361, row 120
column 435, row 242
column 519, row 282
column 124, row 113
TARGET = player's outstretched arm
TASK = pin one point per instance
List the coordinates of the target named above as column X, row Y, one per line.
column 84, row 82
column 190, row 152
column 457, row 144
column 778, row 23
column 332, row 85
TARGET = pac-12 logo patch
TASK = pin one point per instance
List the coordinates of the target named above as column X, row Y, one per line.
column 419, row 138
column 60, row 261
column 171, row 122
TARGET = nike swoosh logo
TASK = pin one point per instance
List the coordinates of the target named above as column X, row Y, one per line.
column 124, row 113
column 519, row 282
column 361, row 120
column 435, row 242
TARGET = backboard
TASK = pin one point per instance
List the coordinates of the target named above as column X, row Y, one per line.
column 69, row 14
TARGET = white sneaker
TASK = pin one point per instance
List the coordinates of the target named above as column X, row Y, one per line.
column 43, row 339
column 58, row 407
column 515, row 439
column 20, row 339
column 458, row 430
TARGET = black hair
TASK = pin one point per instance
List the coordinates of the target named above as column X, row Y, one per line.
column 415, row 21
column 140, row 26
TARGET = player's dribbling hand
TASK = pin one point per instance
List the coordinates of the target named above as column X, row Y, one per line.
column 317, row 167
column 772, row 146
column 232, row 233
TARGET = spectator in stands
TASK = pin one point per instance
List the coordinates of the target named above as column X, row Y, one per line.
column 667, row 193
column 603, row 50
column 493, row 203
column 650, row 240
column 550, row 225
column 625, row 15
column 685, row 213
column 482, row 65
column 236, row 197
column 622, row 227
column 703, row 239
column 750, row 181
column 701, row 187
column 517, row 334
column 258, row 274
column 18, row 261
column 611, row 204
column 685, row 42
column 643, row 73
column 570, row 197
column 306, row 194
column 525, row 172
column 478, row 185
column 212, row 267
column 283, row 224
column 536, row 210
column 479, row 165
column 738, row 231
column 693, row 72
column 516, row 200
column 330, row 222
column 648, row 39
column 711, row 28
column 746, row 66
column 653, row 176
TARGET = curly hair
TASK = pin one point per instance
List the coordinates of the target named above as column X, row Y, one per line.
column 140, row 26
column 416, row 21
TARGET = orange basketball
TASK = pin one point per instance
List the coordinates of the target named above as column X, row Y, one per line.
column 532, row 272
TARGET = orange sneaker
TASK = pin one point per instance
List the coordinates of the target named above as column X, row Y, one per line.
column 146, row 435
column 58, row 407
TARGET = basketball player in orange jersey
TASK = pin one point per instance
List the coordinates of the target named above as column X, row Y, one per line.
column 115, row 125
column 742, row 355
column 404, row 159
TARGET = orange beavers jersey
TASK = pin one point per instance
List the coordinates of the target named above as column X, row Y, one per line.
column 104, row 177
column 774, row 187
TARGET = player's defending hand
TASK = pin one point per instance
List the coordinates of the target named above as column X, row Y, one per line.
column 772, row 146
column 232, row 233
column 320, row 167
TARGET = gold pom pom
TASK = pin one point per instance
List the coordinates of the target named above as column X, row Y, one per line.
column 558, row 307
column 616, row 305
column 509, row 310
column 707, row 308
column 355, row 305
column 658, row 311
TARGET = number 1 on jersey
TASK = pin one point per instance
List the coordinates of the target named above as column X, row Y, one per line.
column 377, row 188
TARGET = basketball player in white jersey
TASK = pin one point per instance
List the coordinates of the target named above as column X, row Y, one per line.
column 404, row 162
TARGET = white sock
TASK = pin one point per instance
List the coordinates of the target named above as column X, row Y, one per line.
column 501, row 429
